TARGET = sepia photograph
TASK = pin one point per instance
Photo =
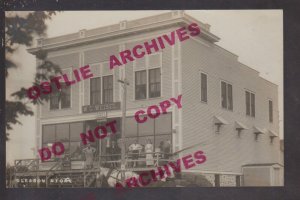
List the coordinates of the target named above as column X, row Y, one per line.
column 127, row 99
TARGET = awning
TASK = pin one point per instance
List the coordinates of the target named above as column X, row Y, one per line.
column 220, row 120
column 272, row 134
column 240, row 125
column 257, row 130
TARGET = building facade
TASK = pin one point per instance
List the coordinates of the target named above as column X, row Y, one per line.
column 227, row 108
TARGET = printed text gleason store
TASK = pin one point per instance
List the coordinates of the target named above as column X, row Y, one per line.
column 225, row 105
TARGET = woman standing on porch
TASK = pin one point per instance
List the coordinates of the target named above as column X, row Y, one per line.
column 149, row 151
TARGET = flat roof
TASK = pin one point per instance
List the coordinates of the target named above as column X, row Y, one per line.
column 123, row 28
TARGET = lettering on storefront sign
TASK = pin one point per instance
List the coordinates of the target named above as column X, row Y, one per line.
column 101, row 107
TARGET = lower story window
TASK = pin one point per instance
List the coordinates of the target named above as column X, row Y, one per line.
column 157, row 131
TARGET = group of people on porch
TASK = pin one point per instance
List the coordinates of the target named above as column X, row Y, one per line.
column 134, row 152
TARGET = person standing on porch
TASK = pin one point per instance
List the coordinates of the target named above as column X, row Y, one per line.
column 149, row 153
column 135, row 149
column 89, row 156
column 115, row 153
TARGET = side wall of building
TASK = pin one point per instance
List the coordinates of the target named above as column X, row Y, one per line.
column 225, row 151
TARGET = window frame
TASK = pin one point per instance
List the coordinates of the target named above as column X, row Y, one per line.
column 102, row 89
column 147, row 67
column 227, row 96
column 61, row 92
column 206, row 92
column 67, row 151
column 135, row 85
column 155, row 131
column 251, row 93
column 55, row 92
column 271, row 114
column 90, row 91
column 64, row 71
column 101, row 74
column 149, row 84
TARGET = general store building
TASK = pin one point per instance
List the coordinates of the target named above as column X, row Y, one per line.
column 227, row 106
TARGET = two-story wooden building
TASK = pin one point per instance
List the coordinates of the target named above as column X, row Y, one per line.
column 226, row 106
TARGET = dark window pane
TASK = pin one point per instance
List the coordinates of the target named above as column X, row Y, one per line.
column 62, row 132
column 154, row 83
column 107, row 89
column 130, row 127
column 146, row 128
column 54, row 98
column 164, row 143
column 143, row 140
column 48, row 145
column 65, row 96
column 48, row 133
column 95, row 91
column 247, row 103
column 140, row 84
column 163, row 124
column 76, row 151
column 230, row 102
column 252, row 105
column 270, row 111
column 67, row 150
column 75, row 130
column 223, row 95
column 203, row 87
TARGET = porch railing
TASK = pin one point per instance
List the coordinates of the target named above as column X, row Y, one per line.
column 157, row 158
column 27, row 165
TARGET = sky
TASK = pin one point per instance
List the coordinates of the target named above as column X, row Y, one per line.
column 256, row 36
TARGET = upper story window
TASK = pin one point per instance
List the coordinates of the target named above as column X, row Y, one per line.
column 95, row 91
column 60, row 98
column 107, row 96
column 203, row 87
column 140, row 85
column 154, row 83
column 148, row 77
column 250, row 104
column 226, row 95
column 65, row 97
column 270, row 111
column 101, row 86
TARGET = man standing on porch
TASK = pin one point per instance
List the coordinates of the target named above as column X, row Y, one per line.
column 89, row 156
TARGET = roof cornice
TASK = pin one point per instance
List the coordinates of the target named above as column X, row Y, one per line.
column 182, row 19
